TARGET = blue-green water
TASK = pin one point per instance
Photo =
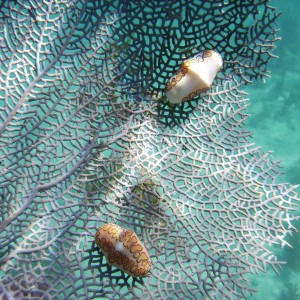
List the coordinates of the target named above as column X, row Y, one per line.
column 275, row 122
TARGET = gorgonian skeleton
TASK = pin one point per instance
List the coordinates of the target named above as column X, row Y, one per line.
column 87, row 138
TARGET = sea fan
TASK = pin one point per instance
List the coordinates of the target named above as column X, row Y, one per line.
column 87, row 138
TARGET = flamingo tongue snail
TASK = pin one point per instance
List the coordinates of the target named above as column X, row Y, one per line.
column 195, row 76
column 123, row 249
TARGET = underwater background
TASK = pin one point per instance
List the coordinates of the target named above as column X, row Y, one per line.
column 274, row 120
column 275, row 123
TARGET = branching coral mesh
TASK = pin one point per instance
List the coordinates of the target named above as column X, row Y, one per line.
column 87, row 138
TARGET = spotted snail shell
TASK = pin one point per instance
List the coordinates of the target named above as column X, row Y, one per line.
column 195, row 76
column 123, row 249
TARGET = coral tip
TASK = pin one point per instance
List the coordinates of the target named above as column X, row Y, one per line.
column 123, row 249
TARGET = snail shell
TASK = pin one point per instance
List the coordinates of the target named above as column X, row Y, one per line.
column 123, row 249
column 195, row 76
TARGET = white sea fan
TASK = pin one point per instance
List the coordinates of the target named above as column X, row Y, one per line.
column 87, row 138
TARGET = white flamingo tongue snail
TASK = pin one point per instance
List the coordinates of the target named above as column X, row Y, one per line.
column 194, row 76
column 123, row 249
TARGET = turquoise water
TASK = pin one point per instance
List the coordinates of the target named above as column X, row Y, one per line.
column 275, row 122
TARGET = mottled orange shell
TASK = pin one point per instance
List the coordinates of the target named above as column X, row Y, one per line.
column 123, row 249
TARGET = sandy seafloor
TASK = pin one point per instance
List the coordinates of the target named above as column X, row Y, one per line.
column 275, row 122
